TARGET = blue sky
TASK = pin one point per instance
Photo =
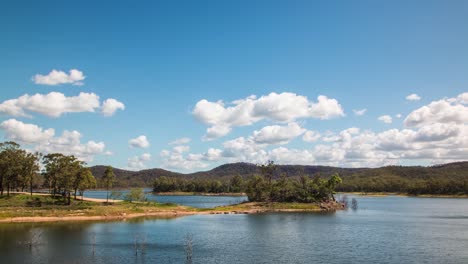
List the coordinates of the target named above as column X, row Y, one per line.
column 159, row 59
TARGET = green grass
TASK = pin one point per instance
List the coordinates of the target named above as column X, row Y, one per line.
column 20, row 205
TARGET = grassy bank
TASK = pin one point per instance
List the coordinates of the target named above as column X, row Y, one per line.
column 21, row 205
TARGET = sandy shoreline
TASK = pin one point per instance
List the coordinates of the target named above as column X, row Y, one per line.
column 161, row 214
column 245, row 208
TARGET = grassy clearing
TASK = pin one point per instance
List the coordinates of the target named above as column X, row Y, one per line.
column 21, row 205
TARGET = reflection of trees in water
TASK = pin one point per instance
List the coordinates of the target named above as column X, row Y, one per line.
column 45, row 246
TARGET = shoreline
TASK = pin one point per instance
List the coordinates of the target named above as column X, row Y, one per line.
column 383, row 194
column 98, row 210
column 155, row 215
column 196, row 194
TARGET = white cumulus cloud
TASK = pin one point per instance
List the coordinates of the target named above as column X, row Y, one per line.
column 55, row 104
column 180, row 141
column 449, row 110
column 386, row 119
column 311, row 136
column 283, row 107
column 45, row 141
column 27, row 133
column 277, row 134
column 110, row 106
column 138, row 162
column 56, row 77
column 413, row 97
column 139, row 142
column 360, row 112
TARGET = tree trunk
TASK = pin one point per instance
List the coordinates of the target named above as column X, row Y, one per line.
column 107, row 195
column 75, row 193
column 8, row 189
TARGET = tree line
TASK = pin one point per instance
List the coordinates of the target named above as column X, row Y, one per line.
column 413, row 186
column 60, row 174
column 262, row 187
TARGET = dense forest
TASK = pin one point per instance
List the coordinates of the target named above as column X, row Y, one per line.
column 446, row 179
column 260, row 187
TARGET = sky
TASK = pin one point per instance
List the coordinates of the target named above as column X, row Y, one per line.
column 190, row 85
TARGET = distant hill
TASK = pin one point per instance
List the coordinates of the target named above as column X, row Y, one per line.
column 453, row 171
column 126, row 178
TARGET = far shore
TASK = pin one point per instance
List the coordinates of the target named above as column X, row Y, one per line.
column 382, row 194
column 198, row 193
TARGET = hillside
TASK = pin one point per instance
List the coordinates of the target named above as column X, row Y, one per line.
column 353, row 178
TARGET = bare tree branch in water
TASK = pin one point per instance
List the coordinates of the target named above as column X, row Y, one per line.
column 139, row 243
column 188, row 246
column 33, row 240
column 344, row 200
column 93, row 242
column 354, row 204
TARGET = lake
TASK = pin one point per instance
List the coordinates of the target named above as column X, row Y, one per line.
column 199, row 201
column 383, row 230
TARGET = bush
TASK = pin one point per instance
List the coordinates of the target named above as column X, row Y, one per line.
column 135, row 194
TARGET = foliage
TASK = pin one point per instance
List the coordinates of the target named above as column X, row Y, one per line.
column 166, row 184
column 66, row 174
column 62, row 174
column 109, row 178
column 115, row 195
column 135, row 194
column 259, row 188
column 18, row 168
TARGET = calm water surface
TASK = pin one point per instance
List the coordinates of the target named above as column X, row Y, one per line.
column 382, row 230
column 198, row 201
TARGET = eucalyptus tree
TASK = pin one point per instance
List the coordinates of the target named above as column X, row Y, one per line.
column 108, row 179
column 10, row 165
column 61, row 173
column 30, row 168
column 52, row 171
column 236, row 184
column 86, row 181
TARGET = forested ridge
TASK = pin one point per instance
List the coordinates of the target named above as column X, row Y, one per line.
column 450, row 178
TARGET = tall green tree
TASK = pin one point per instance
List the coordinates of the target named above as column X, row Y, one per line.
column 257, row 189
column 31, row 168
column 236, row 184
column 109, row 178
column 61, row 173
column 10, row 165
column 52, row 171
column 87, row 181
